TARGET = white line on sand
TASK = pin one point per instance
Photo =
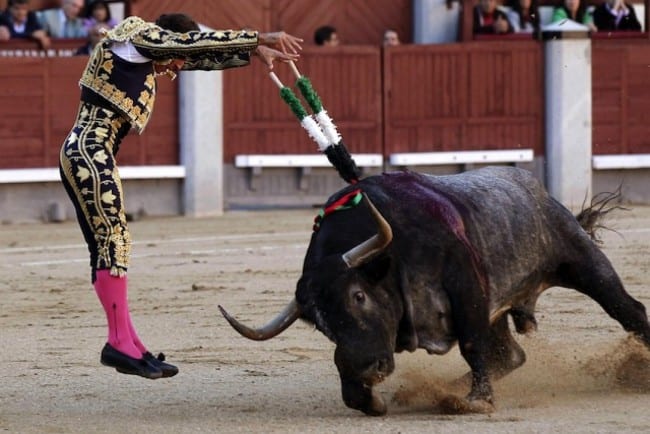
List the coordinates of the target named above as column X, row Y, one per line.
column 243, row 237
column 210, row 252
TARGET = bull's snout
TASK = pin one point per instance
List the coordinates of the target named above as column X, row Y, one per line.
column 367, row 368
column 359, row 372
column 362, row 397
column 378, row 370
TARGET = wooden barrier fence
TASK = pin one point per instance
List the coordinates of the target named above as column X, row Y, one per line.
column 478, row 95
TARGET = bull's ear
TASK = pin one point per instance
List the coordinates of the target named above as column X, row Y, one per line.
column 376, row 269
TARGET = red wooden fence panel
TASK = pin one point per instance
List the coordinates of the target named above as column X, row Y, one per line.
column 424, row 112
column 40, row 97
column 348, row 80
column 621, row 119
column 506, row 96
column 478, row 95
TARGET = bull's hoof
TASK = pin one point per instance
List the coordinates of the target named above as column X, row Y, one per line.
column 634, row 372
column 524, row 320
column 452, row 404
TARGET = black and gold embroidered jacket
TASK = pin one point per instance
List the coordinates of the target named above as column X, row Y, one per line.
column 130, row 88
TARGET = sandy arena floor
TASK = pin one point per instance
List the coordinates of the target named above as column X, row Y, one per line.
column 583, row 374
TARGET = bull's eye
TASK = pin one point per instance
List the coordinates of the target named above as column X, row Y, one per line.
column 359, row 297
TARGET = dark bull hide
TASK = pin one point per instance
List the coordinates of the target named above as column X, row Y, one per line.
column 444, row 259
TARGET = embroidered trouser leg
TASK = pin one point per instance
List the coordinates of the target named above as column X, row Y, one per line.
column 92, row 180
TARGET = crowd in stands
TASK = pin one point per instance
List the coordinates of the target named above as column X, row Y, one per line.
column 90, row 18
column 523, row 16
column 327, row 36
column 72, row 20
column 491, row 17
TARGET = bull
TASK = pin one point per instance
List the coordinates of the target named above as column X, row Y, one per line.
column 430, row 261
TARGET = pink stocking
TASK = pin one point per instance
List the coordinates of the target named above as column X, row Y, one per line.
column 111, row 291
column 134, row 335
column 136, row 340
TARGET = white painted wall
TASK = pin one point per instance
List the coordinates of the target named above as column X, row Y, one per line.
column 434, row 23
column 568, row 118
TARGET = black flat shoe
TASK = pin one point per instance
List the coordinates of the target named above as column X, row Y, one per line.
column 125, row 364
column 167, row 369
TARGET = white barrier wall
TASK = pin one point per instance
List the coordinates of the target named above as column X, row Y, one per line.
column 201, row 141
column 568, row 115
column 434, row 22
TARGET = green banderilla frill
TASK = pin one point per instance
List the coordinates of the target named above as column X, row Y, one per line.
column 293, row 102
column 304, row 84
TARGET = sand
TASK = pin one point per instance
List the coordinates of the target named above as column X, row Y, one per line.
column 583, row 373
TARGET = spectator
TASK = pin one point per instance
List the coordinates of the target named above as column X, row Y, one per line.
column 326, row 36
column 19, row 22
column 574, row 10
column 391, row 38
column 64, row 22
column 95, row 35
column 616, row 15
column 524, row 16
column 98, row 12
column 488, row 19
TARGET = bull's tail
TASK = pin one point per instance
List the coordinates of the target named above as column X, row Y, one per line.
column 591, row 217
column 319, row 126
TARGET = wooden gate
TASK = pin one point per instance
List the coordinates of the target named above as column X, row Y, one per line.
column 486, row 96
column 621, row 120
column 476, row 95
column 348, row 80
column 39, row 104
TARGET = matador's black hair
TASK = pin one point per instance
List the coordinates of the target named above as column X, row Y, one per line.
column 179, row 23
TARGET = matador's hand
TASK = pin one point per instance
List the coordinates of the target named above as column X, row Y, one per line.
column 282, row 41
column 268, row 55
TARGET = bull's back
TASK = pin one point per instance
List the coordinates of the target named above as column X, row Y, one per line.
column 505, row 213
column 498, row 194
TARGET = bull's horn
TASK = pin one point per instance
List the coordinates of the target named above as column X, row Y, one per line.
column 277, row 325
column 372, row 246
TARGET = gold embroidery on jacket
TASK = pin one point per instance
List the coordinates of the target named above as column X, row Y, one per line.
column 127, row 29
column 98, row 77
column 108, row 65
column 200, row 50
